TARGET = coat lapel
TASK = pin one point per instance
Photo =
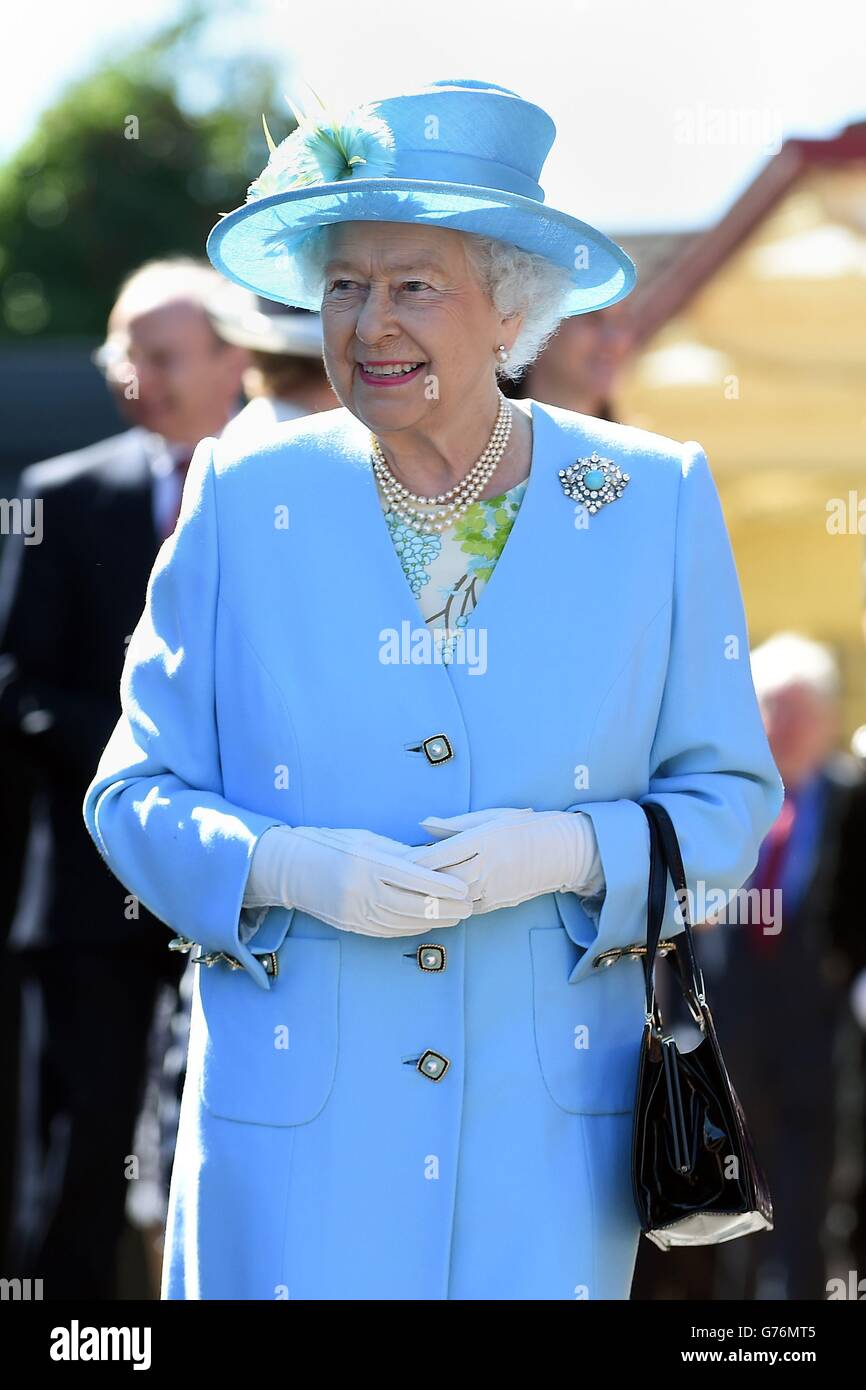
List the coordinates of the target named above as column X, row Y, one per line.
column 362, row 518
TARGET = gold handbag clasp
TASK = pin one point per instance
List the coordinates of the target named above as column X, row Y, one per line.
column 636, row 949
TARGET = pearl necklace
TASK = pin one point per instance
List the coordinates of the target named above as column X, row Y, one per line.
column 456, row 499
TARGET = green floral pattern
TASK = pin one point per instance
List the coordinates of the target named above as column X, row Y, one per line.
column 447, row 570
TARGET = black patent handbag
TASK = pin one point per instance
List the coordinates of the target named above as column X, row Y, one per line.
column 695, row 1175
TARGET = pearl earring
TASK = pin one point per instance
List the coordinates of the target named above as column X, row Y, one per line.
column 502, row 352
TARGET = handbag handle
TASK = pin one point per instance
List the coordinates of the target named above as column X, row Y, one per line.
column 666, row 861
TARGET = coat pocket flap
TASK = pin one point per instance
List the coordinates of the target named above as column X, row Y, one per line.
column 269, row 1057
column 588, row 1033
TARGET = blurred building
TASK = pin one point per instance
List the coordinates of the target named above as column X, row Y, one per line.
column 752, row 340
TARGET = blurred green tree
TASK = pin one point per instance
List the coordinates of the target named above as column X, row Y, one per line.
column 120, row 170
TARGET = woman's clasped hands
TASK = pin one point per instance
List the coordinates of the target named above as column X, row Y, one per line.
column 359, row 881
column 507, row 855
column 355, row 880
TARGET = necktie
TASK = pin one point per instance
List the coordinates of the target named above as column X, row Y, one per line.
column 181, row 464
column 768, row 875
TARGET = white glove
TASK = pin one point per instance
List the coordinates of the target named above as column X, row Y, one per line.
column 508, row 855
column 355, row 880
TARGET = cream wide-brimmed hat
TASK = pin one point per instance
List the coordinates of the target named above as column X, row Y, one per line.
column 273, row 328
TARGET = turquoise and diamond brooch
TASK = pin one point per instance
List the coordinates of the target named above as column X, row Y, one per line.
column 594, row 481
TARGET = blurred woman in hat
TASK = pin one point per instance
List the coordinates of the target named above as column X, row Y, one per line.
column 404, row 674
column 286, row 378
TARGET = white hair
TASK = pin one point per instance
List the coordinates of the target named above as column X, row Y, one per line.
column 516, row 281
column 158, row 282
column 788, row 658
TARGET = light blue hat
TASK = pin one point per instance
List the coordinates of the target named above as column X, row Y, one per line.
column 457, row 153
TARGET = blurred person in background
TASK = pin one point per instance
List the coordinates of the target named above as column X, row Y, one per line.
column 90, row 964
column 779, row 996
column 286, row 377
column 579, row 368
column 847, row 1219
column 780, row 986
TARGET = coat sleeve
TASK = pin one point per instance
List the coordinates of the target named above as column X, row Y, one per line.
column 155, row 808
column 710, row 766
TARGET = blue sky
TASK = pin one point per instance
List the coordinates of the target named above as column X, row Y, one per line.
column 665, row 108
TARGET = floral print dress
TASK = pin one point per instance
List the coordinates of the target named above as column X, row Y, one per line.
column 447, row 570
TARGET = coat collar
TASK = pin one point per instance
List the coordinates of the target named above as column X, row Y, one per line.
column 540, row 553
column 548, row 560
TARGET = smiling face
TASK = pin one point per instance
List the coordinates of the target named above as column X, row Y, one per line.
column 408, row 330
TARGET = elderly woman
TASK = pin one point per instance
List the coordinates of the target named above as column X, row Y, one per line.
column 404, row 674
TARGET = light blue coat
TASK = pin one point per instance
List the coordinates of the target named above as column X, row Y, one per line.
column 314, row 1159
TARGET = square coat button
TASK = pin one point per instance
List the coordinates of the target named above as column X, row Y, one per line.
column 433, row 1065
column 431, row 956
column 437, row 749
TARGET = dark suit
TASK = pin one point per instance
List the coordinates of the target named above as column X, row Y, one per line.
column 847, row 930
column 90, row 962
column 779, row 1020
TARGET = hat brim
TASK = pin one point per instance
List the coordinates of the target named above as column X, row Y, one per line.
column 253, row 245
column 275, row 333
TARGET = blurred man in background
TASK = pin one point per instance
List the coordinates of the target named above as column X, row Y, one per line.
column 777, row 986
column 847, row 1217
column 91, row 960
column 780, row 990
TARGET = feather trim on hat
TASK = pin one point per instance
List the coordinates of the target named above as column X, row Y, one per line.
column 325, row 152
